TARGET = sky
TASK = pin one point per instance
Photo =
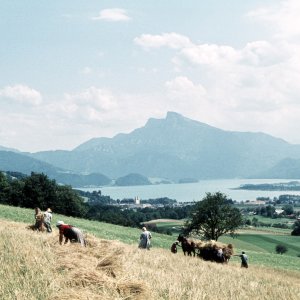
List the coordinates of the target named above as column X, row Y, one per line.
column 74, row 70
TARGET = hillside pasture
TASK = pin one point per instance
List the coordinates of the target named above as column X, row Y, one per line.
column 112, row 270
column 259, row 254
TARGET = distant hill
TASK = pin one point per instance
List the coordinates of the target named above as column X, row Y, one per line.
column 8, row 149
column 287, row 168
column 132, row 179
column 17, row 162
column 176, row 147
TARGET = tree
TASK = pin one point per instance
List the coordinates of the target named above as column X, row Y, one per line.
column 280, row 249
column 214, row 216
column 270, row 210
column 39, row 191
column 255, row 222
column 68, row 202
column 296, row 228
column 288, row 209
column 4, row 189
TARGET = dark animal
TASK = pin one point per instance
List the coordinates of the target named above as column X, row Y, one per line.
column 186, row 245
column 210, row 253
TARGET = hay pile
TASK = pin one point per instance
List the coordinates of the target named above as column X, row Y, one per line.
column 93, row 272
column 209, row 250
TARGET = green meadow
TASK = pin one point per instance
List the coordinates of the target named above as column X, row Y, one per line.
column 259, row 245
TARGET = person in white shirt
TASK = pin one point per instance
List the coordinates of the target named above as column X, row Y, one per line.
column 48, row 219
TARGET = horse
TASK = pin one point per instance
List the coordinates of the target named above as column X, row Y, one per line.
column 186, row 245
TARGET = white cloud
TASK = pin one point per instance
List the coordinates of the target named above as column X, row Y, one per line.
column 172, row 40
column 181, row 86
column 209, row 54
column 21, row 94
column 113, row 15
column 282, row 18
column 261, row 53
column 90, row 103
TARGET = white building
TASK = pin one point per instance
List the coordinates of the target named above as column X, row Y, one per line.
column 137, row 200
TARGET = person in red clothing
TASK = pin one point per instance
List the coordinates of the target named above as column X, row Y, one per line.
column 70, row 233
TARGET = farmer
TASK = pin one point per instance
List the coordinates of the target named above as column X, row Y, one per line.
column 145, row 238
column 174, row 247
column 71, row 233
column 39, row 219
column 48, row 219
column 220, row 255
column 244, row 260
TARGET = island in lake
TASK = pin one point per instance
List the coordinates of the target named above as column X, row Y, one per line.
column 280, row 186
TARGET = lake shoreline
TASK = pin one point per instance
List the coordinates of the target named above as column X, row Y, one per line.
column 189, row 192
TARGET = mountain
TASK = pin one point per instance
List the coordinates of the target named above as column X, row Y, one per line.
column 132, row 179
column 17, row 162
column 287, row 168
column 2, row 148
column 176, row 147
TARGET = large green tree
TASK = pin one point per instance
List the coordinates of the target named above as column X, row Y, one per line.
column 296, row 228
column 214, row 216
column 39, row 191
column 4, row 188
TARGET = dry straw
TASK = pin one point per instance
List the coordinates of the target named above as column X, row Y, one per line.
column 34, row 266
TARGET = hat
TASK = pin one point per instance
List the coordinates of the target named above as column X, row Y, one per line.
column 59, row 223
column 49, row 210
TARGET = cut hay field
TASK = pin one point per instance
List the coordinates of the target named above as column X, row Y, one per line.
column 260, row 248
column 34, row 266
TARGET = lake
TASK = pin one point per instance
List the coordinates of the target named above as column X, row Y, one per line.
column 187, row 192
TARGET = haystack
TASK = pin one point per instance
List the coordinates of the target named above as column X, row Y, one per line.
column 133, row 290
column 94, row 272
column 209, row 250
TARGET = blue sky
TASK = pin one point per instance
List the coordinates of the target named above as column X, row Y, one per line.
column 74, row 70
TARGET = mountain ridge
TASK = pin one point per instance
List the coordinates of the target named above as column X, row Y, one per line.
column 175, row 147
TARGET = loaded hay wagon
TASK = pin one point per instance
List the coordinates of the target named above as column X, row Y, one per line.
column 207, row 250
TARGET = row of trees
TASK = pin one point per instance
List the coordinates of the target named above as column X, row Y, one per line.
column 37, row 190
column 134, row 218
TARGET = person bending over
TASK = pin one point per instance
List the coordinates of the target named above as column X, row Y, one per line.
column 70, row 233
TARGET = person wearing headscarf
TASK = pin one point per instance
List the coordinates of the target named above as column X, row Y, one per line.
column 48, row 219
column 145, row 238
column 70, row 233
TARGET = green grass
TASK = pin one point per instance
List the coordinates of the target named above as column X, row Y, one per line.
column 175, row 227
column 260, row 247
column 102, row 230
column 265, row 243
column 271, row 220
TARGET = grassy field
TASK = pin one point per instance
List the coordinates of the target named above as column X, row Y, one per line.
column 33, row 266
column 259, row 245
column 127, row 235
column 271, row 221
